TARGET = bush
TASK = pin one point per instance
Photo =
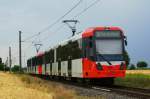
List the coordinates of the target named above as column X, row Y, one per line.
column 126, row 58
column 1, row 67
column 132, row 67
column 7, row 68
column 142, row 64
column 0, row 60
column 15, row 68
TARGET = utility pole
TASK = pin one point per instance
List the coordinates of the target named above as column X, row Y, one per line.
column 10, row 59
column 20, row 60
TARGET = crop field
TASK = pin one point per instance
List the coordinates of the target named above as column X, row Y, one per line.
column 135, row 78
column 16, row 86
column 146, row 72
column 12, row 87
column 21, row 86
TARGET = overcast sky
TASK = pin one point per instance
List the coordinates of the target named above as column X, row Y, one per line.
column 31, row 16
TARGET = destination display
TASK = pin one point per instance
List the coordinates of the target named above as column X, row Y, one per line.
column 107, row 34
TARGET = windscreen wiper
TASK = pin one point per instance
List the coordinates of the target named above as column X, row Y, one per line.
column 104, row 58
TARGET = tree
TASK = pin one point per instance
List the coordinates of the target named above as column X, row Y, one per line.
column 1, row 67
column 7, row 68
column 132, row 67
column 126, row 58
column 142, row 64
column 0, row 60
column 15, row 68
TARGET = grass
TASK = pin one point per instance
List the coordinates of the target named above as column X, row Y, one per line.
column 21, row 86
column 56, row 89
column 137, row 80
column 11, row 87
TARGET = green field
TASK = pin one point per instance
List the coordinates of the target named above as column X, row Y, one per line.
column 134, row 80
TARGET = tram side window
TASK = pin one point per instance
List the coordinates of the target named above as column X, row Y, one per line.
column 72, row 49
column 43, row 59
column 32, row 61
column 64, row 53
column 36, row 61
column 58, row 55
column 40, row 61
column 46, row 58
column 76, row 51
column 49, row 56
column 52, row 55
column 88, row 48
column 84, row 47
column 28, row 63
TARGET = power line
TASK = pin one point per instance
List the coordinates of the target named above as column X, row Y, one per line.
column 95, row 2
column 61, row 17
column 50, row 26
column 80, row 13
column 58, row 29
column 31, row 37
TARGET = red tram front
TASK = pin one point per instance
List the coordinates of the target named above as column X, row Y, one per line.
column 103, row 49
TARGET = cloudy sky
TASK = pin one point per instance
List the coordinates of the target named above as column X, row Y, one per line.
column 32, row 16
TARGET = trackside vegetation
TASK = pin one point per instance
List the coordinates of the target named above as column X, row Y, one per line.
column 58, row 90
column 134, row 80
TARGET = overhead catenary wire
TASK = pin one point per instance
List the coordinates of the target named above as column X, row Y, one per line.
column 88, row 7
column 58, row 29
column 77, row 15
column 51, row 25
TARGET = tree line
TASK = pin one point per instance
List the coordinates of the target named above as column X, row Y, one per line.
column 139, row 64
column 3, row 67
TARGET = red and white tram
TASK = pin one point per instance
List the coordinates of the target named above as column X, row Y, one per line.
column 97, row 53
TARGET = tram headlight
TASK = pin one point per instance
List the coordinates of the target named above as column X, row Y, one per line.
column 99, row 66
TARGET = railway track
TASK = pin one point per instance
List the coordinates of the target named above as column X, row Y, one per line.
column 121, row 90
column 133, row 93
